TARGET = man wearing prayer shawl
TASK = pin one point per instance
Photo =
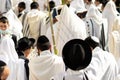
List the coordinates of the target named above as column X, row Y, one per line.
column 46, row 64
column 69, row 26
column 103, row 64
column 96, row 25
column 8, row 53
column 15, row 24
column 77, row 4
column 34, row 22
column 113, row 36
column 76, row 55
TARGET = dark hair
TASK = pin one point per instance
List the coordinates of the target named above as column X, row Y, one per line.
column 90, row 0
column 43, row 43
column 104, row 2
column 22, row 5
column 34, row 5
column 91, row 42
column 25, row 43
column 4, row 19
column 51, row 5
column 2, row 64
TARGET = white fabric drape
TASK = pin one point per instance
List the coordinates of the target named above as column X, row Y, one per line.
column 69, row 26
column 78, row 5
column 34, row 23
column 110, row 13
column 9, row 55
column 103, row 65
column 15, row 24
column 44, row 66
column 95, row 23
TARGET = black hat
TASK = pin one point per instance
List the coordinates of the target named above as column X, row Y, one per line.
column 25, row 43
column 76, row 54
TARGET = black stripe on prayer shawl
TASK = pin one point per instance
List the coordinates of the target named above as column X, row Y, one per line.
column 23, row 19
column 47, row 20
column 26, row 31
column 86, row 76
column 92, row 27
column 102, row 38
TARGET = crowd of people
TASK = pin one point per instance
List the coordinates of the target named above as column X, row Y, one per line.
column 52, row 40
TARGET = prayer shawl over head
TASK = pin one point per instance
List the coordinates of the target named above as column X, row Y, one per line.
column 70, row 26
column 103, row 65
column 15, row 24
column 115, row 39
column 78, row 5
column 113, row 31
column 96, row 25
column 45, row 66
column 34, row 24
column 9, row 55
column 111, row 9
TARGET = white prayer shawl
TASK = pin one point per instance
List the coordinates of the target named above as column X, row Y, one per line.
column 74, row 75
column 45, row 66
column 96, row 17
column 14, row 3
column 111, row 8
column 103, row 65
column 9, row 55
column 34, row 23
column 95, row 23
column 56, row 29
column 115, row 39
column 15, row 24
column 5, row 5
column 78, row 5
column 69, row 26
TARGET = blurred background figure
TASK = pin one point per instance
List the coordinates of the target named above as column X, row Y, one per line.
column 4, row 71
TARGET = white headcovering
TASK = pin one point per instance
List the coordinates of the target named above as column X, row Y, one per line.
column 110, row 13
column 78, row 5
column 70, row 27
column 7, row 46
column 94, row 13
column 15, row 24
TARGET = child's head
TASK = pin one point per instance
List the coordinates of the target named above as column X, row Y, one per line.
column 4, row 24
